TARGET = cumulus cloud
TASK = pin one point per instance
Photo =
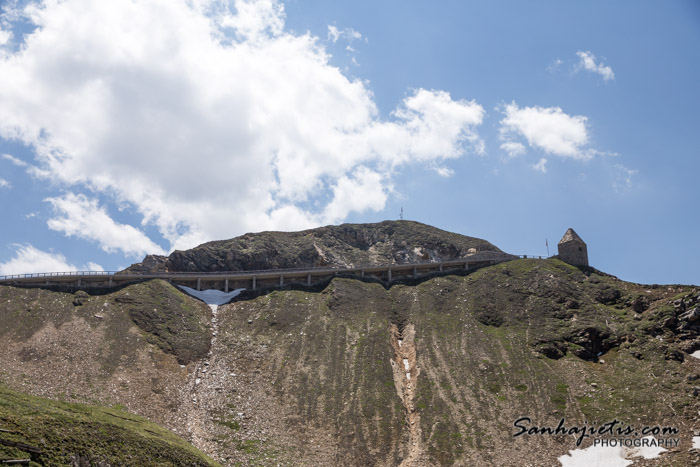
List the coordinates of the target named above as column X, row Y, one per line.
column 211, row 121
column 28, row 259
column 548, row 129
column 362, row 190
column 4, row 183
column 83, row 218
column 587, row 62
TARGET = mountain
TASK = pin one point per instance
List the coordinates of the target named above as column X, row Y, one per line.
column 347, row 245
column 354, row 372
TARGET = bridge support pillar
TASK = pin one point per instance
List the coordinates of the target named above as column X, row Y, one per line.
column 253, row 282
column 47, row 282
column 80, row 282
column 281, row 279
column 466, row 265
column 440, row 267
column 388, row 274
column 111, row 282
column 308, row 279
column 199, row 283
column 226, row 285
column 415, row 272
column 362, row 273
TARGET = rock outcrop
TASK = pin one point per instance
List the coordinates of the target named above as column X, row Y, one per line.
column 347, row 245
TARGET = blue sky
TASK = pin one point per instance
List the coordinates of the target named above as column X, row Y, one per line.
column 128, row 129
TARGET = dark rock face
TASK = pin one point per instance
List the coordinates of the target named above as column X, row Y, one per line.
column 150, row 264
column 592, row 341
column 80, row 298
column 347, row 245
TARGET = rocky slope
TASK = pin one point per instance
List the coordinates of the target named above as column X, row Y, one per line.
column 347, row 245
column 356, row 373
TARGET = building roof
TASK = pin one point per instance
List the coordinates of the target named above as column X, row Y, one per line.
column 571, row 236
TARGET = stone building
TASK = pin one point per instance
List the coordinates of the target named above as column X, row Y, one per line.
column 572, row 249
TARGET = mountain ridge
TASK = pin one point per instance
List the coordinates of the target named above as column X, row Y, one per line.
column 345, row 245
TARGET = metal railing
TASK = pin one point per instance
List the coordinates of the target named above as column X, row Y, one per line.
column 58, row 274
column 477, row 257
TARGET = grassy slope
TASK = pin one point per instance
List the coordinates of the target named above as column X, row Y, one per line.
column 67, row 433
column 95, row 352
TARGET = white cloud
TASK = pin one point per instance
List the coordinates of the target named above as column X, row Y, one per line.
column 14, row 160
column 548, row 129
column 5, row 37
column 90, row 266
column 541, row 166
column 253, row 21
column 361, row 191
column 514, row 149
column 4, row 183
column 28, row 259
column 333, row 33
column 623, row 178
column 348, row 34
column 554, row 66
column 587, row 62
column 443, row 171
column 82, row 217
column 209, row 135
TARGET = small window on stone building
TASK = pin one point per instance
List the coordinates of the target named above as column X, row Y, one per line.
column 579, row 249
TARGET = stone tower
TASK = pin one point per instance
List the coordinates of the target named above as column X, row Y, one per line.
column 572, row 249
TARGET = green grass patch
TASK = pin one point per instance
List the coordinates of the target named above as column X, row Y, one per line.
column 62, row 432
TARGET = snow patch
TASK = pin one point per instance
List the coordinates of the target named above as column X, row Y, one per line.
column 695, row 354
column 696, row 442
column 212, row 296
column 595, row 456
column 647, row 452
column 604, row 456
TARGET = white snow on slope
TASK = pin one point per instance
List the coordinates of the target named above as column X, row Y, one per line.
column 607, row 456
column 695, row 354
column 647, row 452
column 595, row 456
column 212, row 297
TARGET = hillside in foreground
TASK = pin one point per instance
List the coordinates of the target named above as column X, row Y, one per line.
column 58, row 433
column 358, row 373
